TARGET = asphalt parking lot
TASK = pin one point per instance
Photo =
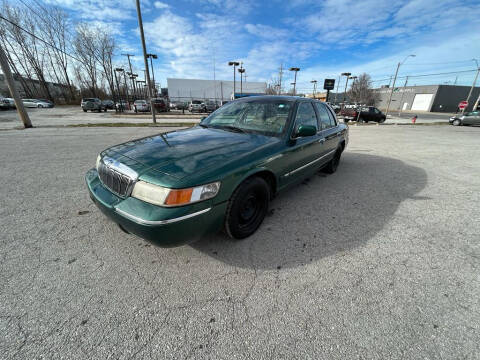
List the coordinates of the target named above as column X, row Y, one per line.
column 379, row 260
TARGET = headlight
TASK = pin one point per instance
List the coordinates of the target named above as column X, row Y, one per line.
column 99, row 158
column 162, row 196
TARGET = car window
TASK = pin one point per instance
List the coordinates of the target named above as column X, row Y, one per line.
column 265, row 117
column 306, row 115
column 325, row 118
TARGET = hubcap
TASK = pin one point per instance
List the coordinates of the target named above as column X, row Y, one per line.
column 249, row 209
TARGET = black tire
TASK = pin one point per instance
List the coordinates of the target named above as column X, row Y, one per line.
column 456, row 122
column 247, row 208
column 382, row 120
column 332, row 165
column 84, row 110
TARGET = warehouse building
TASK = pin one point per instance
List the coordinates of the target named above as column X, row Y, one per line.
column 219, row 90
column 433, row 98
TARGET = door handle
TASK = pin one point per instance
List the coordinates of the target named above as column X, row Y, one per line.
column 321, row 141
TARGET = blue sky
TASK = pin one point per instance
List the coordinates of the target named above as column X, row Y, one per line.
column 323, row 38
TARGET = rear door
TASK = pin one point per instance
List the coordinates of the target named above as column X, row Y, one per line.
column 472, row 118
column 329, row 131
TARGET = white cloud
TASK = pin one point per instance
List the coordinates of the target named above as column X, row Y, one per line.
column 266, row 31
column 161, row 5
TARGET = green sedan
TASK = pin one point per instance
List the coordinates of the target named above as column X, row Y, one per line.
column 173, row 188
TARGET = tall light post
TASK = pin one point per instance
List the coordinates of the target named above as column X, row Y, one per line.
column 118, row 88
column 142, row 36
column 241, row 71
column 346, row 74
column 471, row 89
column 338, row 83
column 354, row 78
column 394, row 80
column 153, row 56
column 295, row 69
column 234, row 64
column 314, row 82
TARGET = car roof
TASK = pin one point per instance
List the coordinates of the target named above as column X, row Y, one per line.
column 274, row 97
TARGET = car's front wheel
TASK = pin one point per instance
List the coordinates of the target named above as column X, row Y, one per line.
column 247, row 208
column 457, row 122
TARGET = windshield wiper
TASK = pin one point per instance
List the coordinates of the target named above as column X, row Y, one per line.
column 233, row 128
column 203, row 125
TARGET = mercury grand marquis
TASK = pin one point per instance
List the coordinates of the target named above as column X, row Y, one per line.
column 175, row 187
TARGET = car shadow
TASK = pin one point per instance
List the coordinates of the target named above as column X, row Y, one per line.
column 323, row 215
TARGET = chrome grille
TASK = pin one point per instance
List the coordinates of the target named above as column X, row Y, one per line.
column 114, row 180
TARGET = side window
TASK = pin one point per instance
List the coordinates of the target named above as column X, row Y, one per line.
column 305, row 115
column 326, row 119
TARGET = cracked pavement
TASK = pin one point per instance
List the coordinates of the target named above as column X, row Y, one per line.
column 379, row 260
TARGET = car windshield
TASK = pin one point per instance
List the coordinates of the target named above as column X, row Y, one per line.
column 266, row 117
column 196, row 102
column 85, row 100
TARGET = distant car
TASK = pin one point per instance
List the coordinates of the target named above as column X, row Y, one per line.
column 10, row 102
column 122, row 105
column 196, row 106
column 210, row 106
column 367, row 113
column 93, row 104
column 160, row 104
column 141, row 106
column 469, row 118
column 4, row 104
column 109, row 104
column 44, row 104
column 50, row 104
column 31, row 103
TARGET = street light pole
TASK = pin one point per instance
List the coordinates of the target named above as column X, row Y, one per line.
column 314, row 82
column 338, row 83
column 241, row 71
column 354, row 78
column 131, row 72
column 401, row 99
column 142, row 36
column 394, row 80
column 471, row 89
column 118, row 88
column 153, row 56
column 234, row 64
column 295, row 69
column 346, row 74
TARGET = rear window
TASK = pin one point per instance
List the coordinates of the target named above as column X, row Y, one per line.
column 90, row 99
column 196, row 102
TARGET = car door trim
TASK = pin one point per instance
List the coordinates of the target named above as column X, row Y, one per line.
column 308, row 164
column 160, row 222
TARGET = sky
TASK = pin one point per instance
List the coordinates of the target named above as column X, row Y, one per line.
column 322, row 38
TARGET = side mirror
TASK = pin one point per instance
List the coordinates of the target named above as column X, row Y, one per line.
column 306, row 130
column 203, row 118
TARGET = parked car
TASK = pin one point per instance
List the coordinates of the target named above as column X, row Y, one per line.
column 210, row 106
column 175, row 187
column 196, row 106
column 160, row 104
column 141, row 106
column 469, row 118
column 93, row 104
column 109, row 104
column 4, row 104
column 44, row 104
column 10, row 102
column 50, row 104
column 122, row 105
column 367, row 113
column 31, row 103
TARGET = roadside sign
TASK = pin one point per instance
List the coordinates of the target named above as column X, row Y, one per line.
column 329, row 84
column 462, row 105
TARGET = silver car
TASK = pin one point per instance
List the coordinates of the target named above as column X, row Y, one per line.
column 469, row 118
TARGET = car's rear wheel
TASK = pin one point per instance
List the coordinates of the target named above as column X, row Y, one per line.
column 457, row 122
column 84, row 110
column 332, row 165
column 247, row 208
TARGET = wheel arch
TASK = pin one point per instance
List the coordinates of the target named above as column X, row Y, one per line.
column 263, row 173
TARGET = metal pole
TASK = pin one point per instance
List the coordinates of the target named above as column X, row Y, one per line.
column 233, row 81
column 391, row 92
column 153, row 76
column 345, row 92
column 401, row 99
column 295, row 84
column 13, row 90
column 471, row 90
column 119, row 94
column 338, row 83
column 126, row 87
column 142, row 36
column 476, row 103
column 131, row 73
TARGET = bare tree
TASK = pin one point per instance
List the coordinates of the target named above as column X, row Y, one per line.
column 361, row 91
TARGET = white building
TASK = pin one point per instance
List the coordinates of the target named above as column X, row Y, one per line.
column 194, row 89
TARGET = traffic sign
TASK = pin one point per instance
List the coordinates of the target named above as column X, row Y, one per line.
column 462, row 105
column 329, row 84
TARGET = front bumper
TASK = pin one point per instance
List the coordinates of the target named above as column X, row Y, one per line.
column 163, row 226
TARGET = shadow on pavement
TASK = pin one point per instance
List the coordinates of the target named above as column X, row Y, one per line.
column 324, row 215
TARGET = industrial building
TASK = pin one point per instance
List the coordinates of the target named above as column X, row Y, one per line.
column 433, row 98
column 215, row 90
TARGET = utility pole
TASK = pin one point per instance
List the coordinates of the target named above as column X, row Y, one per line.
column 314, row 82
column 13, row 90
column 142, row 36
column 347, row 75
column 234, row 64
column 394, row 80
column 280, row 74
column 221, row 90
column 401, row 99
column 131, row 72
column 241, row 71
column 471, row 89
column 338, row 83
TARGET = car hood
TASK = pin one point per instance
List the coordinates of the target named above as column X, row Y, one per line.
column 187, row 152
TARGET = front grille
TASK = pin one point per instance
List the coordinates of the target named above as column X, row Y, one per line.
column 114, row 180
